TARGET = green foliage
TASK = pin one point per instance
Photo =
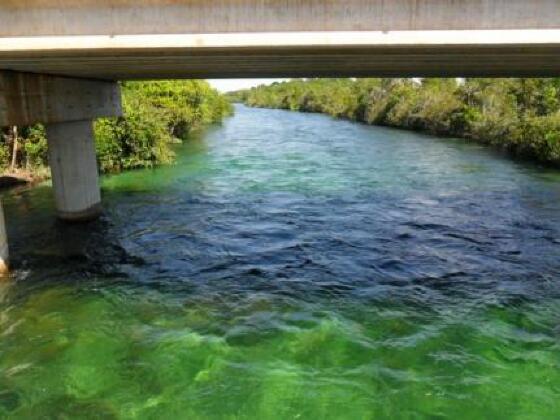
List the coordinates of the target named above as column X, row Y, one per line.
column 35, row 146
column 183, row 105
column 157, row 114
column 4, row 149
column 518, row 115
column 139, row 140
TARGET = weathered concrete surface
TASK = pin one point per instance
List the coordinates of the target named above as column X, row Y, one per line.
column 119, row 17
column 145, row 39
column 310, row 54
column 30, row 98
column 74, row 170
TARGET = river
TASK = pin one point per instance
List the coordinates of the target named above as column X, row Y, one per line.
column 291, row 266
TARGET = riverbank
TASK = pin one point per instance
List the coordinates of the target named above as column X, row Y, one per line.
column 11, row 179
column 519, row 116
column 157, row 115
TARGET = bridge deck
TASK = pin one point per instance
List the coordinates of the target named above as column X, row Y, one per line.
column 434, row 53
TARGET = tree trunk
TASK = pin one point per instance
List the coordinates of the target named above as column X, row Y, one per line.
column 14, row 147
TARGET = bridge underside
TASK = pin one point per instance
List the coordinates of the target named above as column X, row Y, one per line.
column 145, row 39
column 309, row 54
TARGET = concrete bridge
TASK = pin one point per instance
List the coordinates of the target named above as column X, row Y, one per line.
column 60, row 59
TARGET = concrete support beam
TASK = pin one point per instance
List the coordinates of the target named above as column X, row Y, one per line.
column 27, row 98
column 146, row 39
column 4, row 253
column 449, row 53
column 74, row 170
column 129, row 17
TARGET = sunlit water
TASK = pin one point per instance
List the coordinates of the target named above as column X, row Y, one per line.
column 291, row 266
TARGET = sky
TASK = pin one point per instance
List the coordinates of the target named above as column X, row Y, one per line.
column 227, row 85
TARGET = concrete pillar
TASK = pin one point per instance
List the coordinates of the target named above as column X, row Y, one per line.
column 4, row 254
column 74, row 170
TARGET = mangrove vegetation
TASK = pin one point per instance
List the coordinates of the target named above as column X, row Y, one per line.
column 520, row 116
column 156, row 115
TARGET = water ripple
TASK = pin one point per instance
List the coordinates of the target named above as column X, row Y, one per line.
column 291, row 266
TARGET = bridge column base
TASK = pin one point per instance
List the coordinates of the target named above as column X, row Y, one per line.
column 74, row 170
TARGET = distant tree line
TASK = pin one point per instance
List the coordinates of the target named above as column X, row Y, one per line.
column 157, row 114
column 521, row 116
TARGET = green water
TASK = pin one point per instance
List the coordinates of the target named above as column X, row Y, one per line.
column 291, row 266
